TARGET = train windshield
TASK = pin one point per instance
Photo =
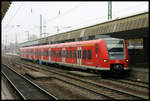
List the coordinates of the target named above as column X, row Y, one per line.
column 116, row 49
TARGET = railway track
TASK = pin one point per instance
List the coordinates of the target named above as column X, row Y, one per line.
column 113, row 94
column 132, row 82
column 25, row 88
column 97, row 89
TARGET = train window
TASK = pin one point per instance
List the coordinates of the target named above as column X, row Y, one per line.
column 49, row 52
column 40, row 53
column 79, row 54
column 67, row 54
column 60, row 53
column 46, row 52
column 96, row 48
column 84, row 54
column 63, row 53
column 70, row 54
column 74, row 54
column 54, row 54
column 43, row 53
column 89, row 54
column 57, row 52
column 28, row 52
column 36, row 52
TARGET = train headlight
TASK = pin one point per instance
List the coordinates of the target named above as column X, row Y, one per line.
column 105, row 60
column 127, row 60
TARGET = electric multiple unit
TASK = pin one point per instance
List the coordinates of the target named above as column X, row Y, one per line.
column 108, row 54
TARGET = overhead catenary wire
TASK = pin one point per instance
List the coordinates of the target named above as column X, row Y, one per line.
column 65, row 13
column 105, row 16
column 68, row 12
column 12, row 18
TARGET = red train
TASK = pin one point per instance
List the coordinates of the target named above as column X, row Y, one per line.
column 108, row 54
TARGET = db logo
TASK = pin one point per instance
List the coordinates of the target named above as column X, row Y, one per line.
column 117, row 61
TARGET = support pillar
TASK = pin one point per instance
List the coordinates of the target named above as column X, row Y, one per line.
column 146, row 49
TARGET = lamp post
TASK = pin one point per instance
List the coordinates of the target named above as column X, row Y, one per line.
column 16, row 39
column 109, row 10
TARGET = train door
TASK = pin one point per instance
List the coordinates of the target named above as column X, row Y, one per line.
column 34, row 53
column 74, row 55
column 46, row 54
column 63, row 57
column 42, row 53
column 84, row 55
column 79, row 60
column 49, row 54
column 91, row 53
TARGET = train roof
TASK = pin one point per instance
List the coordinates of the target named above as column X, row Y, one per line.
column 78, row 43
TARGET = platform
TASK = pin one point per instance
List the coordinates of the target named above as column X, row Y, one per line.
column 83, row 74
column 37, row 75
column 5, row 93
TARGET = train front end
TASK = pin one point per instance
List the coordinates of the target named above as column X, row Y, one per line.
column 117, row 55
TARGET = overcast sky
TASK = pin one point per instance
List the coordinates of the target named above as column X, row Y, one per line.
column 24, row 16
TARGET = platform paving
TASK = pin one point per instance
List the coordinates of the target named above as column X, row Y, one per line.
column 83, row 74
column 140, row 74
column 5, row 94
column 37, row 75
